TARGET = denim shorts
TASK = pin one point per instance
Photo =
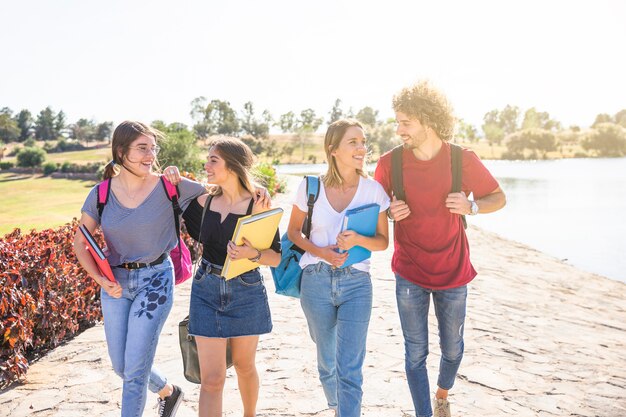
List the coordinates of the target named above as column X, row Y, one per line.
column 221, row 308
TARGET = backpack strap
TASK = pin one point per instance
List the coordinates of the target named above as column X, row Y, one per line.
column 104, row 189
column 171, row 191
column 456, row 155
column 313, row 192
column 396, row 173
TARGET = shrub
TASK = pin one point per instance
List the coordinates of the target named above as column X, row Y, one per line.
column 535, row 141
column 100, row 171
column 607, row 140
column 6, row 165
column 66, row 167
column 45, row 296
column 30, row 157
column 64, row 145
column 268, row 178
column 14, row 151
column 90, row 168
column 255, row 145
column 49, row 168
column 48, row 147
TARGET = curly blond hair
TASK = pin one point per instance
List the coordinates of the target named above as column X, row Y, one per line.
column 424, row 102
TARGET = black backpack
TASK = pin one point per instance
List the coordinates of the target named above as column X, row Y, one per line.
column 396, row 172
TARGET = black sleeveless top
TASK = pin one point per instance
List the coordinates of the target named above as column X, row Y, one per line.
column 215, row 233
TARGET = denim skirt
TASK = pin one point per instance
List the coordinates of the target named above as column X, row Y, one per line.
column 221, row 308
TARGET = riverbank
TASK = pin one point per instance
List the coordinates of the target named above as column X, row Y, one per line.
column 542, row 339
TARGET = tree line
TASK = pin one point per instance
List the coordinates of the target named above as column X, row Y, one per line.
column 49, row 125
column 535, row 133
column 525, row 134
column 218, row 117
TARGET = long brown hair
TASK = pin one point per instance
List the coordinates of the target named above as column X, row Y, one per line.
column 125, row 134
column 334, row 134
column 238, row 158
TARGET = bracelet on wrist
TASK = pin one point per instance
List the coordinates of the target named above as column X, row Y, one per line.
column 257, row 258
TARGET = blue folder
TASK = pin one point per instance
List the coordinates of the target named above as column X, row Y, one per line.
column 362, row 220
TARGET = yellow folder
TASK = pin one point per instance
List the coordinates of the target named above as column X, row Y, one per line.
column 259, row 229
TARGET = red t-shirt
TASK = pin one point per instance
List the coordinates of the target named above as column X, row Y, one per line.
column 430, row 246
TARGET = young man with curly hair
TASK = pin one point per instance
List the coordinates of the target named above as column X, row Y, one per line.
column 431, row 256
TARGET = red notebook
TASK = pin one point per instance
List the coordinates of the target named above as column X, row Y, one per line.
column 97, row 254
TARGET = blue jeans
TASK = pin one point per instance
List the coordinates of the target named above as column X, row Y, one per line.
column 132, row 325
column 413, row 304
column 337, row 304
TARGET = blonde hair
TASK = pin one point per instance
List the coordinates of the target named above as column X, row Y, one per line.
column 335, row 132
column 424, row 102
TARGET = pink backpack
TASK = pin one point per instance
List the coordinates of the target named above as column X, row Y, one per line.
column 181, row 258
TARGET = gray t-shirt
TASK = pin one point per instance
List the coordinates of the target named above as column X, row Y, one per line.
column 144, row 233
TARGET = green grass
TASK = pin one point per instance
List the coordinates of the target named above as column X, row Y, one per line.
column 77, row 157
column 80, row 157
column 35, row 202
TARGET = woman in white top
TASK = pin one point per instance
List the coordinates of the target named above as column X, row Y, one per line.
column 337, row 300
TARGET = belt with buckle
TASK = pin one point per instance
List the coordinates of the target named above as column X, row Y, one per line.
column 212, row 269
column 138, row 265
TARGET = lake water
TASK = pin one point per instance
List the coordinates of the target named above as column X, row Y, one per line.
column 573, row 209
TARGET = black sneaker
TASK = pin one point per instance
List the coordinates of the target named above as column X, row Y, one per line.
column 168, row 406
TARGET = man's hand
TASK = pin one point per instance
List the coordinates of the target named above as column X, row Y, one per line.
column 398, row 209
column 458, row 203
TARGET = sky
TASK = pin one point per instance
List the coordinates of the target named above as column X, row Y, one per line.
column 147, row 60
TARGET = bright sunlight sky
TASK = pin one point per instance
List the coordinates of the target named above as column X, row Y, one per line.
column 146, row 60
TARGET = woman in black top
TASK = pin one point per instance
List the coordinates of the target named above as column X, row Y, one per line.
column 220, row 309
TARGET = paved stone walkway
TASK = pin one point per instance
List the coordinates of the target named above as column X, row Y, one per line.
column 542, row 339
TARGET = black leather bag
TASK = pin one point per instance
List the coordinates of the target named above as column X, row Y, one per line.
column 189, row 351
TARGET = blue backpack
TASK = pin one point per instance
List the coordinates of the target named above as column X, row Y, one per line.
column 288, row 273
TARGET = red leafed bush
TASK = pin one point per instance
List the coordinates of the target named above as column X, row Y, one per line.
column 45, row 296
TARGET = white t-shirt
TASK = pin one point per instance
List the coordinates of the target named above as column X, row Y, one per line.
column 326, row 223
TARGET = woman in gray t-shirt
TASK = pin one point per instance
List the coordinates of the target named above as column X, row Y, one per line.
column 138, row 226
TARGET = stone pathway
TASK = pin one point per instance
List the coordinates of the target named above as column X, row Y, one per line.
column 542, row 339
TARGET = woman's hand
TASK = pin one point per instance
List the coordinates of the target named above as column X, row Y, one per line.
column 347, row 239
column 112, row 288
column 172, row 174
column 330, row 255
column 245, row 251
